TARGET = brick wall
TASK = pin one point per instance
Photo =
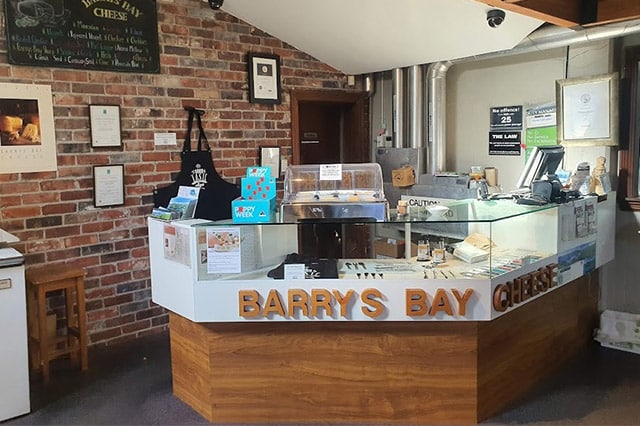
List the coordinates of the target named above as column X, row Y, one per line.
column 203, row 64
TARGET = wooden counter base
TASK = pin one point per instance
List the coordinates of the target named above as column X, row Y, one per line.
column 378, row 372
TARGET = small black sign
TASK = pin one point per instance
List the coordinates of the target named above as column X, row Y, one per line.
column 505, row 136
column 506, row 118
column 114, row 35
column 504, row 143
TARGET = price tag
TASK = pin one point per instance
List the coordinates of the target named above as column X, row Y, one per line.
column 294, row 271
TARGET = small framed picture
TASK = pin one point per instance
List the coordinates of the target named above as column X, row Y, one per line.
column 264, row 78
column 105, row 126
column 270, row 157
column 108, row 185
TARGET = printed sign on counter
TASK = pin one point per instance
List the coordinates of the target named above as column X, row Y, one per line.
column 331, row 172
column 294, row 271
column 223, row 251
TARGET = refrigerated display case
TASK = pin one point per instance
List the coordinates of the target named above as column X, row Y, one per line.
column 198, row 267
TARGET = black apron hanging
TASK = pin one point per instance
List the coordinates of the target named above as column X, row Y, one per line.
column 216, row 194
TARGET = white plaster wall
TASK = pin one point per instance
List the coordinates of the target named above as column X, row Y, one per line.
column 474, row 87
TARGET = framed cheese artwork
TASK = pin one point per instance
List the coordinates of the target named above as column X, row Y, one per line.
column 27, row 134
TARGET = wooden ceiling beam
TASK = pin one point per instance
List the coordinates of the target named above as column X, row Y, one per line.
column 565, row 13
column 572, row 13
column 617, row 11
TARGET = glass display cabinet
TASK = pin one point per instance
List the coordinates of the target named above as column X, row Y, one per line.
column 200, row 268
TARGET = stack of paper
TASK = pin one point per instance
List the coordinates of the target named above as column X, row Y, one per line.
column 469, row 253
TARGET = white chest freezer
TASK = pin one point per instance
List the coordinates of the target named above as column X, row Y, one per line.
column 14, row 362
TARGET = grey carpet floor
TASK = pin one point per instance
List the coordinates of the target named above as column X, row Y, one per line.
column 130, row 384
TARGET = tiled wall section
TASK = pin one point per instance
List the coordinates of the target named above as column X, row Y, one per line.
column 203, row 64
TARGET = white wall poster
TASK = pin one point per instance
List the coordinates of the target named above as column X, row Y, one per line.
column 27, row 135
column 223, row 251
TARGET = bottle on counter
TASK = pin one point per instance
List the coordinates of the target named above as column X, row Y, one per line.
column 439, row 253
column 423, row 250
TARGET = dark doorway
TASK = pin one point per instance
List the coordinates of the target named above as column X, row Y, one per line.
column 320, row 131
column 331, row 127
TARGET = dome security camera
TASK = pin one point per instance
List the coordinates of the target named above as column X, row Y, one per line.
column 495, row 17
column 215, row 4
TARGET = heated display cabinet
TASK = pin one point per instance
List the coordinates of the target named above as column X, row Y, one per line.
column 334, row 191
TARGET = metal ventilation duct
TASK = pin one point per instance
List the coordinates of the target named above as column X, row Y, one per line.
column 398, row 107
column 437, row 113
column 415, row 85
column 408, row 114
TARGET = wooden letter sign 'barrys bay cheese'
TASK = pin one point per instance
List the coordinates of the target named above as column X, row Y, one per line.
column 438, row 303
column 326, row 303
column 521, row 289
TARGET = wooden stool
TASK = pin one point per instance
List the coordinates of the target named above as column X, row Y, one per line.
column 42, row 349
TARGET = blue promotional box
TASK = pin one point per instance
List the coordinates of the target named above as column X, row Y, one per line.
column 253, row 211
column 258, row 188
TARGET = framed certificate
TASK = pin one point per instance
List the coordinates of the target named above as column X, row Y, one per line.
column 105, row 126
column 588, row 110
column 108, row 185
column 264, row 78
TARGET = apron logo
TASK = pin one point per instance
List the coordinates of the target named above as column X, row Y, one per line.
column 198, row 176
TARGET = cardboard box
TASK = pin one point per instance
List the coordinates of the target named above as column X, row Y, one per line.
column 619, row 330
column 404, row 176
column 253, row 211
column 390, row 248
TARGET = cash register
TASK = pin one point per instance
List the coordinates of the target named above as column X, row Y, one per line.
column 538, row 183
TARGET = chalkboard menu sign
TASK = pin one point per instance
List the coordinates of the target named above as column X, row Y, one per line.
column 112, row 35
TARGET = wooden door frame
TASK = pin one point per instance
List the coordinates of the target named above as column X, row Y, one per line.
column 354, row 99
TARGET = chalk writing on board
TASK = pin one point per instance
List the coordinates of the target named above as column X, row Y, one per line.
column 115, row 35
